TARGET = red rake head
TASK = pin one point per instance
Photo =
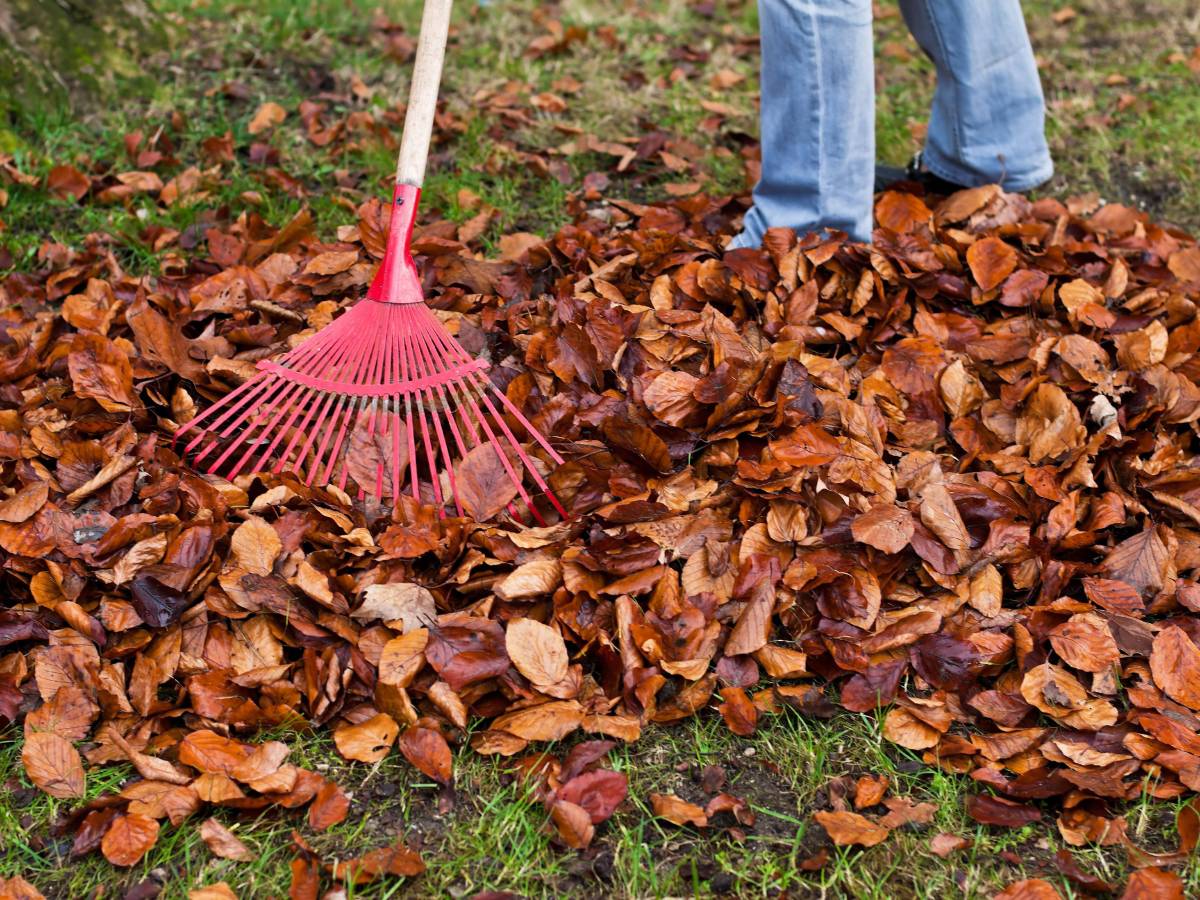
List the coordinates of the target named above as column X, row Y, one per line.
column 383, row 395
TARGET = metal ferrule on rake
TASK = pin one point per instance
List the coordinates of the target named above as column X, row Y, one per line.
column 383, row 395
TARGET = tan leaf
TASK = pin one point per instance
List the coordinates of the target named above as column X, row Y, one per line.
column 885, row 527
column 1175, row 664
column 678, row 811
column 485, row 484
column 991, row 261
column 54, row 765
column 368, row 742
column 573, row 824
column 1085, row 642
column 223, row 842
column 398, row 602
column 782, row 662
column 403, row 657
column 1140, row 561
column 218, row 891
column 986, row 591
column 128, row 839
column 901, row 727
column 669, row 397
column 266, row 117
column 537, row 650
column 545, row 722
column 846, row 828
column 943, row 844
column 1050, row 424
column 535, row 578
column 331, row 263
column 254, row 546
column 940, row 515
column 1029, row 889
column 25, row 502
column 961, row 391
column 428, row 751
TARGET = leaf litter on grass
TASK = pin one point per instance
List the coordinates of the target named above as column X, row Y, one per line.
column 948, row 476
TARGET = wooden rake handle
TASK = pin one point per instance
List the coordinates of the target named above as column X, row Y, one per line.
column 423, row 94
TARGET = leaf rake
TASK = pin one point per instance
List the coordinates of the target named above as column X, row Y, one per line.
column 386, row 372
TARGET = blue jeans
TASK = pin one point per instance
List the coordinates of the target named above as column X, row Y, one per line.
column 818, row 108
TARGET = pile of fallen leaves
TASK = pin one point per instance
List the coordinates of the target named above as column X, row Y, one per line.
column 950, row 475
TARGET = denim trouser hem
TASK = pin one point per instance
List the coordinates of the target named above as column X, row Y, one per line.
column 987, row 121
column 932, row 161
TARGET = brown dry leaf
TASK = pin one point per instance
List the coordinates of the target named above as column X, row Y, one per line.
column 574, row 825
column 1154, row 884
column 23, row 504
column 484, row 483
column 1050, row 424
column 1139, row 561
column 991, row 261
column 404, row 602
column 537, row 651
column 54, row 765
column 1175, row 663
column 941, row 516
column 901, row 727
column 428, row 751
column 1029, row 889
column 669, row 397
column 1085, row 643
column 331, row 263
column 266, row 117
column 869, row 790
column 680, row 812
column 128, row 839
column 218, row 891
column 545, row 722
column 403, row 657
column 885, row 527
column 368, row 742
column 255, row 546
column 329, row 807
column 535, row 578
column 101, row 371
column 847, row 828
column 212, row 753
column 223, row 842
column 944, row 844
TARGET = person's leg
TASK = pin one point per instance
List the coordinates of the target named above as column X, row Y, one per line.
column 818, row 119
column 988, row 119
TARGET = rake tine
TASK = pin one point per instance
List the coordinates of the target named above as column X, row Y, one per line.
column 357, row 372
column 267, row 386
column 459, row 407
column 414, row 373
column 419, row 348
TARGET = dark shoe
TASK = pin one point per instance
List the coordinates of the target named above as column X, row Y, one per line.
column 887, row 177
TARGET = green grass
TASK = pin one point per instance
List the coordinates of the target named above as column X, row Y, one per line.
column 496, row 836
column 1143, row 151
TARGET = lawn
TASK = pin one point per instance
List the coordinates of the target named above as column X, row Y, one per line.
column 1123, row 91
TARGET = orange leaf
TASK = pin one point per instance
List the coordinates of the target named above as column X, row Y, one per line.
column 846, row 828
column 128, row 839
column 223, row 842
column 537, row 651
column 54, row 765
column 329, row 806
column 574, row 825
column 368, row 742
column 428, row 751
column 991, row 261
column 674, row 809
